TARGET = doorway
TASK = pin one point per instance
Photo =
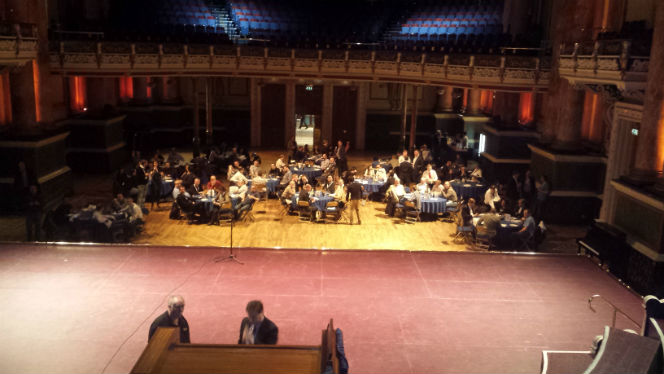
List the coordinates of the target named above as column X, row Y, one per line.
column 305, row 124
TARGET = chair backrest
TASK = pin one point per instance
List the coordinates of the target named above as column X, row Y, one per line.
column 332, row 204
column 303, row 203
column 409, row 204
column 226, row 205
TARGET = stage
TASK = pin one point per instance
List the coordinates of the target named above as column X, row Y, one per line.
column 83, row 309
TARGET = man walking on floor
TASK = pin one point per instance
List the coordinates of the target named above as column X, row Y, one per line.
column 354, row 190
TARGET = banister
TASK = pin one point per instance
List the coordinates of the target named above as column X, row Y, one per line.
column 615, row 310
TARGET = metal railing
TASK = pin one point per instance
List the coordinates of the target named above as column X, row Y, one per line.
column 616, row 310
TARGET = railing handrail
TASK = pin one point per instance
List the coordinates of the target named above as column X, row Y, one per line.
column 615, row 310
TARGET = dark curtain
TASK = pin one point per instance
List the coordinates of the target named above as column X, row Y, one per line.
column 344, row 114
column 273, row 112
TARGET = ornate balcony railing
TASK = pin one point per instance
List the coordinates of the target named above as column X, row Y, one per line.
column 615, row 62
column 18, row 42
column 86, row 58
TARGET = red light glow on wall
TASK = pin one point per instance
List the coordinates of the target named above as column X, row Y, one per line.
column 526, row 108
column 126, row 88
column 591, row 124
column 77, row 94
column 35, row 80
column 5, row 99
column 486, row 101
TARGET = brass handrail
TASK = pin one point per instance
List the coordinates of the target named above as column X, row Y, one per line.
column 615, row 310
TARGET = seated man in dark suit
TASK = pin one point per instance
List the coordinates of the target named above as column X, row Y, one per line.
column 256, row 328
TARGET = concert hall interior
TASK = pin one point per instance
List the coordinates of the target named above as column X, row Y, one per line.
column 407, row 186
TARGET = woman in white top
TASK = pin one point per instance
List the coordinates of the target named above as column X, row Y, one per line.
column 423, row 186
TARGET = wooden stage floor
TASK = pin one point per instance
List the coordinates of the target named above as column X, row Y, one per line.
column 273, row 230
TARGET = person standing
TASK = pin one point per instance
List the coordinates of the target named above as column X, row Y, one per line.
column 172, row 317
column 141, row 182
column 256, row 328
column 354, row 191
column 340, row 155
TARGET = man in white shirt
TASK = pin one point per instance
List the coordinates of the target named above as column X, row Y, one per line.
column 423, row 186
column 404, row 157
column 237, row 177
column 429, row 175
column 491, row 197
column 377, row 172
column 240, row 190
column 450, row 195
column 254, row 169
column 280, row 162
column 135, row 212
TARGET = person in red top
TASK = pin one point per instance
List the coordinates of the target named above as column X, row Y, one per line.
column 213, row 184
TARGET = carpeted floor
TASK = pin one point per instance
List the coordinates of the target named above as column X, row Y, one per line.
column 87, row 309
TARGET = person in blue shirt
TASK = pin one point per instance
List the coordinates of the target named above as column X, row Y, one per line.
column 528, row 229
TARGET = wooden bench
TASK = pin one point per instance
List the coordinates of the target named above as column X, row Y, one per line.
column 164, row 354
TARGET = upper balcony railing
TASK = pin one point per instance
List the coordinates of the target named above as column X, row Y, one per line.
column 18, row 42
column 617, row 62
column 89, row 58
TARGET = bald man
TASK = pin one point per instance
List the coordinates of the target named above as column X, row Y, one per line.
column 173, row 317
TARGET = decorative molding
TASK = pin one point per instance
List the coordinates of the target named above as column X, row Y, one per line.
column 580, row 159
column 572, row 193
column 110, row 149
column 54, row 174
column 511, row 133
column 497, row 160
column 638, row 195
column 628, row 112
column 33, row 144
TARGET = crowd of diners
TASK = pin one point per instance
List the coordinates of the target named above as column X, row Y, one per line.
column 215, row 183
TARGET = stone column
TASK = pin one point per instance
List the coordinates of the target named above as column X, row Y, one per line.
column 361, row 115
column 289, row 120
column 169, row 89
column 197, row 121
column 413, row 116
column 22, row 90
column 474, row 101
column 448, row 99
column 650, row 144
column 440, row 100
column 101, row 92
column 568, row 132
column 328, row 107
column 208, row 111
column 256, row 115
column 141, row 89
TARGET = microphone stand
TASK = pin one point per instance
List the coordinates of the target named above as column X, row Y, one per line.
column 231, row 256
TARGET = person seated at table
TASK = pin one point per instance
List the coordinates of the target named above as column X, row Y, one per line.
column 422, row 187
column 233, row 169
column 168, row 170
column 299, row 154
column 254, row 169
column 376, row 172
column 329, row 170
column 437, row 189
column 274, row 171
column 186, row 203
column 134, row 211
column 238, row 176
column 528, row 229
column 259, row 185
column 339, row 192
column 177, row 189
column 250, row 198
column 286, row 177
column 473, row 208
column 305, row 195
column 490, row 222
column 521, row 207
column 324, row 162
column 239, row 190
column 476, row 174
column 289, row 193
column 280, row 163
column 196, row 189
column 404, row 157
column 449, row 194
column 393, row 195
column 329, row 186
column 119, row 203
column 429, row 175
column 466, row 214
column 302, row 181
column 462, row 173
column 213, row 184
column 491, row 197
column 174, row 157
